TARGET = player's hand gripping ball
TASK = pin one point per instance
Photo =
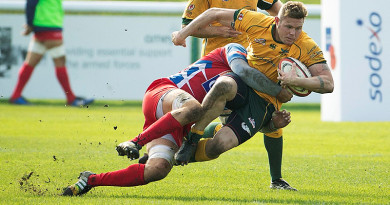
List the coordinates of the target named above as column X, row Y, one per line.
column 285, row 65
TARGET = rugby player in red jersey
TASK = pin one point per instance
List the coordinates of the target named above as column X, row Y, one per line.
column 171, row 105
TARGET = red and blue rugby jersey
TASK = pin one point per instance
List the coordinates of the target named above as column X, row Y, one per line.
column 198, row 78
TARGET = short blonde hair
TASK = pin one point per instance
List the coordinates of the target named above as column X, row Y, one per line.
column 293, row 9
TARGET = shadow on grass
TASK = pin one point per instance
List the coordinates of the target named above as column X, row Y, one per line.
column 186, row 199
column 138, row 103
column 96, row 103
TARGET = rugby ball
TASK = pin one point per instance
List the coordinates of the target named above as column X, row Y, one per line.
column 285, row 65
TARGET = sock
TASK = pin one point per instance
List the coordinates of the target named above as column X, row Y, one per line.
column 194, row 135
column 165, row 125
column 131, row 176
column 62, row 76
column 200, row 154
column 212, row 129
column 24, row 75
column 274, row 147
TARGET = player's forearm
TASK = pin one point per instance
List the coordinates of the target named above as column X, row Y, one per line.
column 254, row 78
column 206, row 32
column 318, row 84
column 203, row 21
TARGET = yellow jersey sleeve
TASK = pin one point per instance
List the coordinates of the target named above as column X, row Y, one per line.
column 193, row 9
column 196, row 7
column 307, row 51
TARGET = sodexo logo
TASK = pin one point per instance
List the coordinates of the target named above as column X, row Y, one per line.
column 373, row 56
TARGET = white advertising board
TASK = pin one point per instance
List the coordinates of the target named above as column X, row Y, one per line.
column 108, row 57
column 354, row 36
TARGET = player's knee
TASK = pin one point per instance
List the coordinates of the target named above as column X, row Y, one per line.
column 158, row 171
column 195, row 112
column 225, row 86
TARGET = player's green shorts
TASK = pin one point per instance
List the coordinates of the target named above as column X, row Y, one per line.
column 250, row 112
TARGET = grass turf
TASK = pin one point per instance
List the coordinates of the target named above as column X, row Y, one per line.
column 44, row 147
column 284, row 1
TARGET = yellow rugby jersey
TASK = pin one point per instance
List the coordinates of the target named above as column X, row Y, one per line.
column 196, row 7
column 264, row 53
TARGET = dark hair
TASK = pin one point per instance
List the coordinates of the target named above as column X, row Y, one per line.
column 293, row 9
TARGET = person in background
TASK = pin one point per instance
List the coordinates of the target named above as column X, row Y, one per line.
column 45, row 19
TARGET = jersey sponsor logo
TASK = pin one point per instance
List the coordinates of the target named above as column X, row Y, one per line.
column 252, row 121
column 260, row 40
column 188, row 13
column 283, row 52
column 183, row 78
column 272, row 46
column 240, row 16
column 246, row 128
column 209, row 83
column 374, row 56
column 191, row 7
column 265, row 59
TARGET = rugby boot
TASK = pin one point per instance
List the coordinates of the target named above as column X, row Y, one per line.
column 281, row 184
column 20, row 101
column 78, row 101
column 80, row 187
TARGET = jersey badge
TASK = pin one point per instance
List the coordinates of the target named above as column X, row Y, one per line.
column 272, row 46
column 253, row 123
column 260, row 40
column 191, row 7
column 240, row 17
column 246, row 128
column 283, row 52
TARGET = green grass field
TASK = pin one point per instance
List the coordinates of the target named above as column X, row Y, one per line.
column 44, row 147
column 304, row 1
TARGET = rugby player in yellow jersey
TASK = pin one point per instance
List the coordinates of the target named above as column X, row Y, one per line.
column 270, row 39
column 214, row 37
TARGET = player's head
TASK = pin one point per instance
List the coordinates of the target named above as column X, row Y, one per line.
column 289, row 22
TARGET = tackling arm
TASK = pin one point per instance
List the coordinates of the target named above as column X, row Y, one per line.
column 258, row 81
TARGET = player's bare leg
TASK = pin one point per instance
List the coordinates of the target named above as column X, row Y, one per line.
column 32, row 59
column 157, row 167
column 179, row 108
column 224, row 89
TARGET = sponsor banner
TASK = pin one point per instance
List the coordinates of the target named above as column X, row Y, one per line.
column 108, row 57
column 355, row 45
